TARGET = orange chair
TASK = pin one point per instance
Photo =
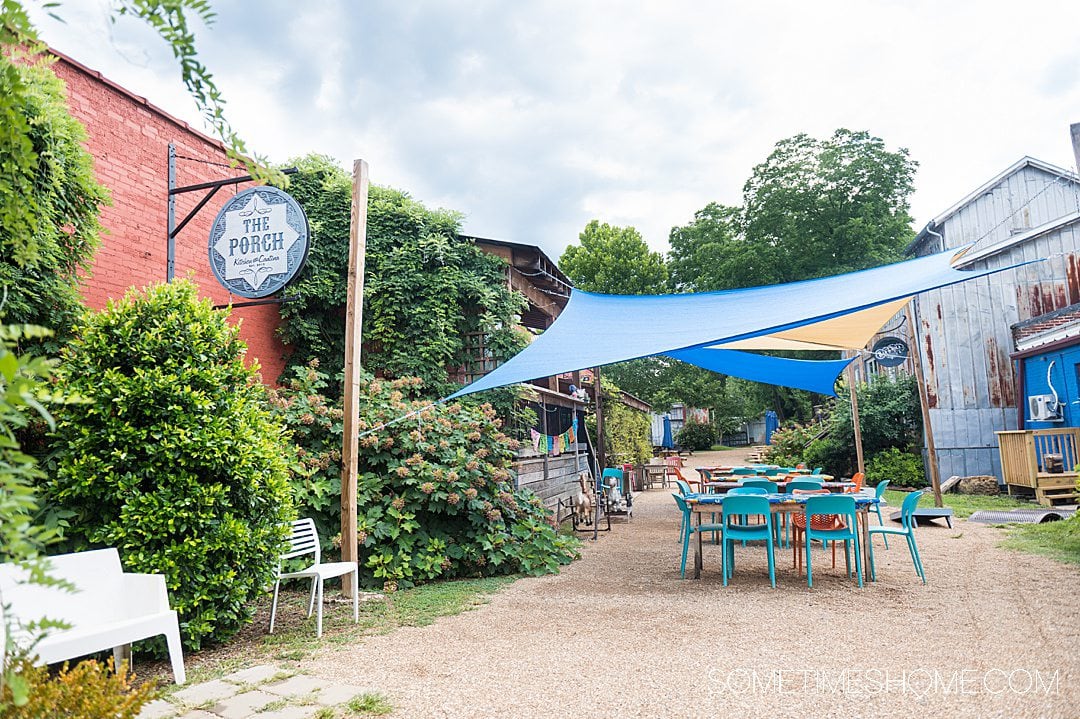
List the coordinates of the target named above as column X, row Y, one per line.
column 820, row 522
column 858, row 479
column 676, row 472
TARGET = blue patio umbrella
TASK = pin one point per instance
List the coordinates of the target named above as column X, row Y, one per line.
column 667, row 442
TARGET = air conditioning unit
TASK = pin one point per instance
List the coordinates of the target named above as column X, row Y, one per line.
column 1044, row 408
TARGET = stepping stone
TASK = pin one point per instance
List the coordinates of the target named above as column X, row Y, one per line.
column 254, row 675
column 292, row 712
column 243, row 705
column 293, row 686
column 158, row 709
column 212, row 691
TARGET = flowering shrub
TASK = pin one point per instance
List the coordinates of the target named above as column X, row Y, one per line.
column 435, row 494
column 89, row 689
column 789, row 445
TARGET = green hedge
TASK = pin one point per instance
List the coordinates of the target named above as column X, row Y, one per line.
column 174, row 458
column 697, row 436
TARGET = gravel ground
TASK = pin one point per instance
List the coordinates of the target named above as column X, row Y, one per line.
column 618, row 634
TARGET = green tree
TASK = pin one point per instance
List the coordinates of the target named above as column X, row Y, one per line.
column 614, row 260
column 813, row 208
column 425, row 288
column 661, row 382
column 706, row 249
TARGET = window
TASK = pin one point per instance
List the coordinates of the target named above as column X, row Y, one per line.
column 479, row 360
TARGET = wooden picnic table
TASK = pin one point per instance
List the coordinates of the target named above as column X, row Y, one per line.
column 787, row 504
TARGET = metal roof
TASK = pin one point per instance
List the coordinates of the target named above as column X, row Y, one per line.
column 1020, row 164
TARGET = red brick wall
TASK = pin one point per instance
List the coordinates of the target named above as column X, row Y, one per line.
column 129, row 139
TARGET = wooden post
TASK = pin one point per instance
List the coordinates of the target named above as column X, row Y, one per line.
column 544, row 431
column 924, row 405
column 601, row 454
column 855, row 419
column 354, row 320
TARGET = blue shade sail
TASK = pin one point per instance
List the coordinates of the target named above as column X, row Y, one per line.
column 596, row 330
column 813, row 375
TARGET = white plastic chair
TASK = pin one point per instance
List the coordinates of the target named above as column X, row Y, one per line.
column 305, row 540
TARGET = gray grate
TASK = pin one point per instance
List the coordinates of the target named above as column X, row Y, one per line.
column 1020, row 516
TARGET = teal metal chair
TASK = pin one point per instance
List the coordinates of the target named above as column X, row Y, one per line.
column 744, row 506
column 769, row 486
column 843, row 507
column 613, row 472
column 748, row 490
column 743, row 489
column 804, row 485
column 771, row 472
column 685, row 490
column 689, row 528
column 744, row 471
column 879, row 492
column 907, row 522
column 817, row 470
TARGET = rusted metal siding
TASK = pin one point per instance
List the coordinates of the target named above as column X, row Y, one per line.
column 964, row 331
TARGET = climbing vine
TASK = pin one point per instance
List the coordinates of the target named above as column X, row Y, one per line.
column 425, row 287
column 49, row 201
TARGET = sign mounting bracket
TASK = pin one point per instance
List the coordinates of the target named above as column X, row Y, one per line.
column 173, row 228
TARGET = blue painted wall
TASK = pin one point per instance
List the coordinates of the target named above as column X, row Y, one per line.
column 1064, row 375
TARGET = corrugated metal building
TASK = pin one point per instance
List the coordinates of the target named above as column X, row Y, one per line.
column 1029, row 211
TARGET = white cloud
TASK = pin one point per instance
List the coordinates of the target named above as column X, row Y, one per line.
column 534, row 118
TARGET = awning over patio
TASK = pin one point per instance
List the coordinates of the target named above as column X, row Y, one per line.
column 813, row 375
column 843, row 311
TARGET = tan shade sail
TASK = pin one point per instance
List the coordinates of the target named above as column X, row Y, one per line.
column 851, row 331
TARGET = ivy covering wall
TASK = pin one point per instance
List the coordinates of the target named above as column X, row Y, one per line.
column 49, row 202
column 425, row 288
column 627, row 431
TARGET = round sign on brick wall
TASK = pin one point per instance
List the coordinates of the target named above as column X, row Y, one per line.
column 258, row 242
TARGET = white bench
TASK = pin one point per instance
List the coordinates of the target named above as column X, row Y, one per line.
column 110, row 608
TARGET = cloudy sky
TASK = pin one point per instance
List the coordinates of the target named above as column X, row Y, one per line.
column 532, row 118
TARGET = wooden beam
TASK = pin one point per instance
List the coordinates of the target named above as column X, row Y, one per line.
column 354, row 321
column 924, row 404
column 542, row 302
column 855, row 418
column 601, row 453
